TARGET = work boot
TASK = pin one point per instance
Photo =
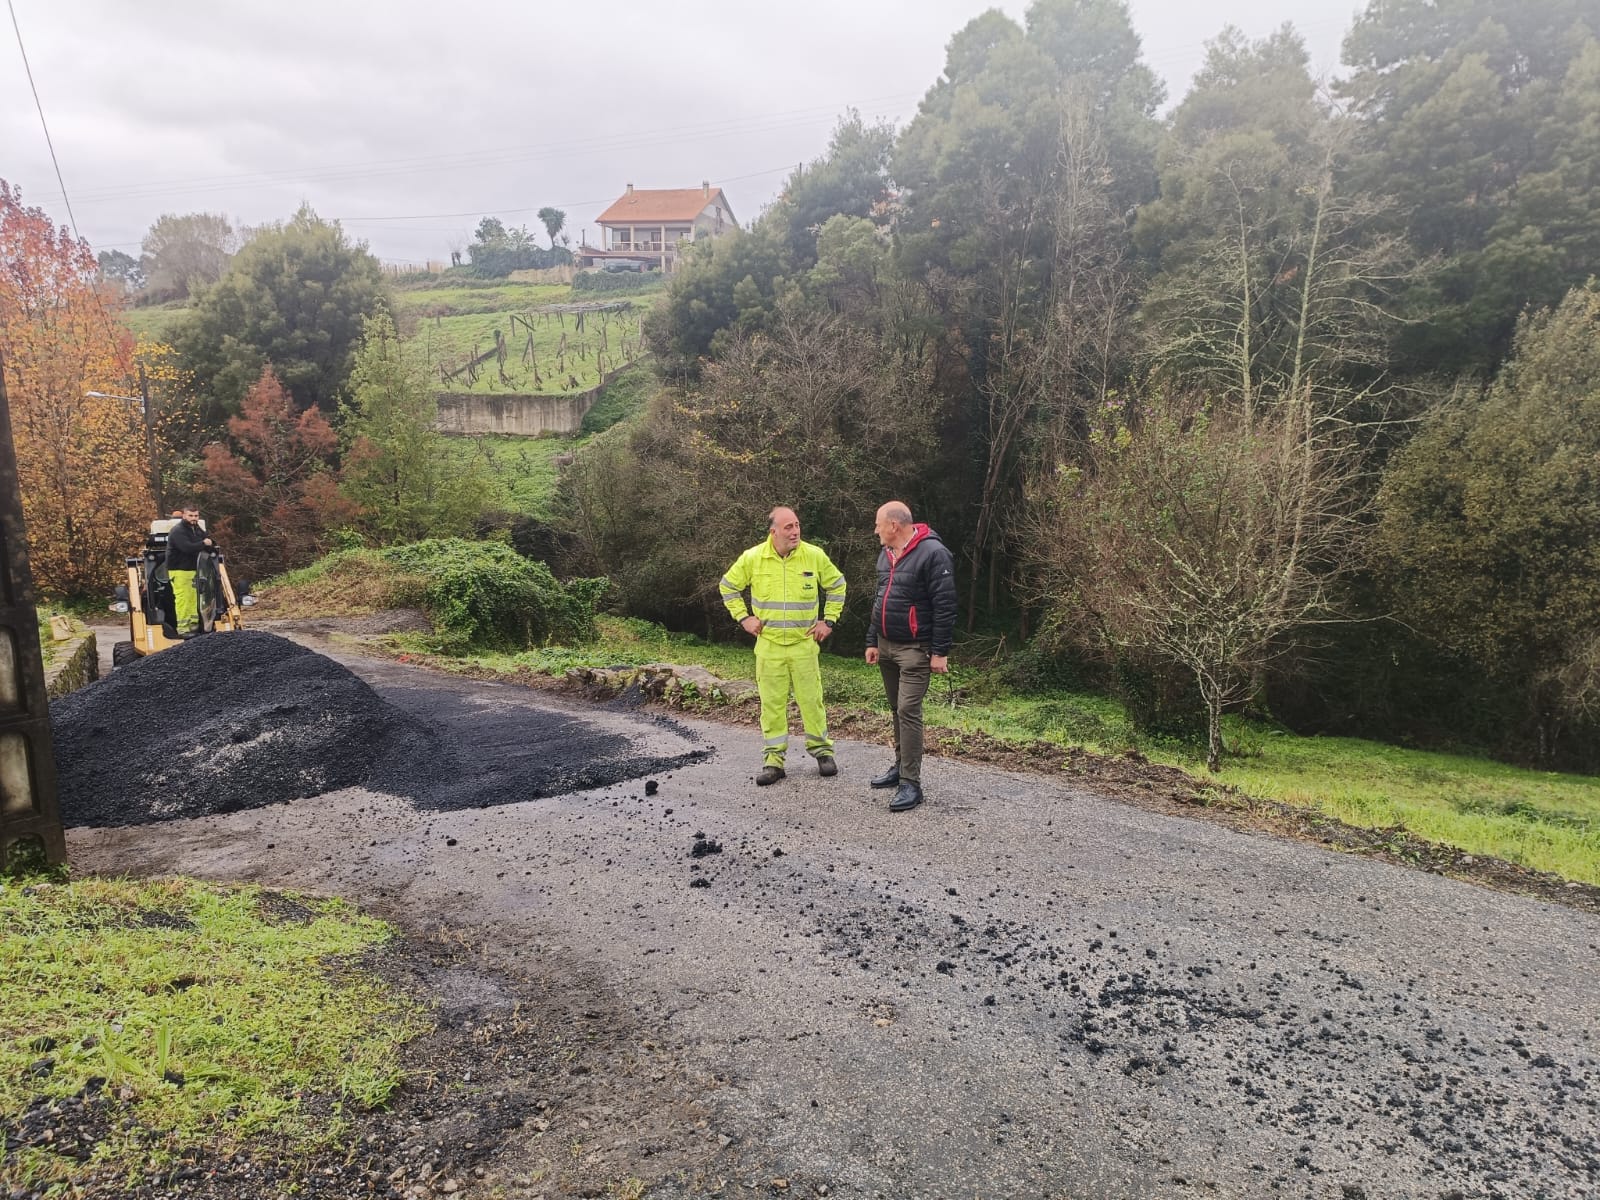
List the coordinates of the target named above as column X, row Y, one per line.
column 907, row 796
column 826, row 767
column 889, row 778
column 768, row 774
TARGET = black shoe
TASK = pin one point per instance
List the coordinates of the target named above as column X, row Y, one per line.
column 889, row 778
column 909, row 795
column 826, row 767
column 768, row 774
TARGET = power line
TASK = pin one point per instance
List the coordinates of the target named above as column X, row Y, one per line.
column 99, row 301
column 45, row 125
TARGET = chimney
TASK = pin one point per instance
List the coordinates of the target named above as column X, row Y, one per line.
column 630, row 189
column 705, row 188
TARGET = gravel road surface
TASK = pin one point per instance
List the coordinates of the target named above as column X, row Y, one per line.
column 1018, row 990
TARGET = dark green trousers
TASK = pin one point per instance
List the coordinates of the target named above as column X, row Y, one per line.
column 905, row 681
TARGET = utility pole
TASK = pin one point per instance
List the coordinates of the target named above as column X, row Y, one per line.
column 29, row 814
column 150, row 443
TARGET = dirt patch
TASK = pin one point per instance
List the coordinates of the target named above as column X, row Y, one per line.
column 535, row 1082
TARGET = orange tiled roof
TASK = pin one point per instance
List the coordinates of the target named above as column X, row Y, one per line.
column 660, row 204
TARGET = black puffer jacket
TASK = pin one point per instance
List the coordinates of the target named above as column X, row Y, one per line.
column 916, row 600
column 184, row 543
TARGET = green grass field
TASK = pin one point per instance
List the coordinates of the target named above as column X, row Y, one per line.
column 465, row 296
column 154, row 322
column 563, row 359
column 455, row 319
column 524, row 469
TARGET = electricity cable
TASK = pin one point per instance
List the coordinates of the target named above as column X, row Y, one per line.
column 45, row 125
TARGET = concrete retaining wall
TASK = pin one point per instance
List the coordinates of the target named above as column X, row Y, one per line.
column 76, row 665
column 529, row 416
column 518, row 413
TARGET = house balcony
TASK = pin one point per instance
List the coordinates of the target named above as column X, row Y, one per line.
column 646, row 247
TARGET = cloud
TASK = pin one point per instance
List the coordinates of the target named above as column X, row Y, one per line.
column 407, row 109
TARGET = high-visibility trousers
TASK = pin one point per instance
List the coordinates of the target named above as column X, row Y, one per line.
column 185, row 601
column 781, row 670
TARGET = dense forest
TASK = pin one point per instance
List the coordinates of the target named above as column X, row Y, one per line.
column 1288, row 397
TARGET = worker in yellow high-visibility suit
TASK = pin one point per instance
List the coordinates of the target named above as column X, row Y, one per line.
column 795, row 596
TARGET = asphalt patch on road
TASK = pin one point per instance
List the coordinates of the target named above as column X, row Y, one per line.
column 504, row 752
column 244, row 720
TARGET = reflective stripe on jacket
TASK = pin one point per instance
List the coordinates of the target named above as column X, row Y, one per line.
column 787, row 594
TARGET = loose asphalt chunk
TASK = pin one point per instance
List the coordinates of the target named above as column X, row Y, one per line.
column 243, row 720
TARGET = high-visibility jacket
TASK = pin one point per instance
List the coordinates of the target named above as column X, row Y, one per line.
column 787, row 594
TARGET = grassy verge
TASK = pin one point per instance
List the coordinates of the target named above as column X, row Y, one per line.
column 187, row 1014
column 1542, row 820
column 47, row 643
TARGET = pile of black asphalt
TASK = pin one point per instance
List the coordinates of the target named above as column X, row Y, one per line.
column 242, row 720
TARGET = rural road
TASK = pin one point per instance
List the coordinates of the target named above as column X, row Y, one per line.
column 1019, row 990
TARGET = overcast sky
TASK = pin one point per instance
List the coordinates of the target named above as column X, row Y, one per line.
column 407, row 121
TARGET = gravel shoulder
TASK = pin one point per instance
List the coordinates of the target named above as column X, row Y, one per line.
column 1021, row 989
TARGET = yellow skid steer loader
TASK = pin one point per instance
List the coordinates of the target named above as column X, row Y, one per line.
column 149, row 600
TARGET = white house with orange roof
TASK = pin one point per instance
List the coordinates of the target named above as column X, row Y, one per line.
column 647, row 225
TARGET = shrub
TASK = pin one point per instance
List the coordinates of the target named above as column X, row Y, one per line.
column 486, row 594
column 530, row 537
column 1161, row 700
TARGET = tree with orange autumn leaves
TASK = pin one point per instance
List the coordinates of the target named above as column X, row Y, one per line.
column 81, row 459
column 271, row 490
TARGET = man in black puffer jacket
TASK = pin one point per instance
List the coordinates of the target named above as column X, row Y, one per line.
column 913, row 622
column 185, row 542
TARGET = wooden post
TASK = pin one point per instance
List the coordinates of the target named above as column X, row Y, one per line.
column 150, row 443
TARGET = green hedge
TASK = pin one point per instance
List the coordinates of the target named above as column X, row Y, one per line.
column 499, row 260
column 617, row 281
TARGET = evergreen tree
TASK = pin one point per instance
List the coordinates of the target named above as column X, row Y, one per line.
column 1480, row 120
column 1272, row 275
column 398, row 470
column 295, row 299
column 1491, row 526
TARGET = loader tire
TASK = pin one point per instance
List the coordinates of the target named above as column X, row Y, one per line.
column 123, row 653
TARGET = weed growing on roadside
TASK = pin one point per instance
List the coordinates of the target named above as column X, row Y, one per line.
column 201, row 1017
